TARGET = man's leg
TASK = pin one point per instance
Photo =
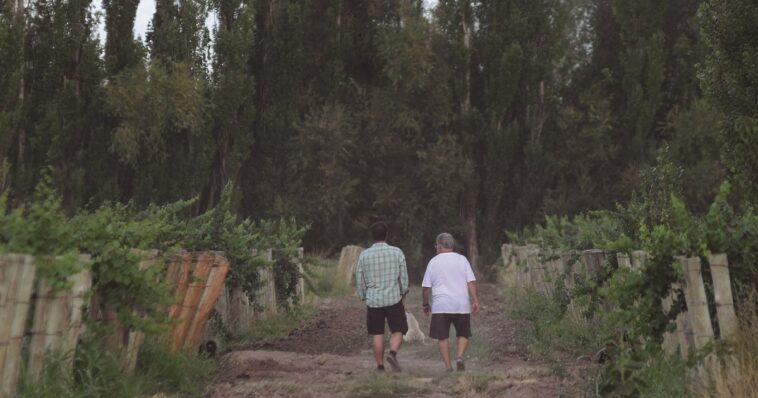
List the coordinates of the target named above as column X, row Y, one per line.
column 462, row 344
column 375, row 327
column 445, row 352
column 379, row 349
column 439, row 329
column 398, row 324
column 396, row 340
column 462, row 325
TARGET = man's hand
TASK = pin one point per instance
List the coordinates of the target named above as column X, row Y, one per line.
column 427, row 309
column 475, row 308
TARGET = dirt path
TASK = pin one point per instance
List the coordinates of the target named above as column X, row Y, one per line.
column 330, row 356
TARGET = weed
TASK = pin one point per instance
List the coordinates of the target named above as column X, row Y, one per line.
column 275, row 327
column 554, row 332
column 734, row 373
column 386, row 385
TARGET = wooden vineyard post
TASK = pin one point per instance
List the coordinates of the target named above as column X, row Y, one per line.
column 200, row 271
column 57, row 318
column 300, row 288
column 506, row 251
column 212, row 287
column 267, row 294
column 568, row 270
column 722, row 290
column 623, row 260
column 683, row 328
column 348, row 261
column 533, row 265
column 639, row 257
column 509, row 273
column 670, row 342
column 135, row 338
column 697, row 302
column 521, row 269
column 16, row 283
column 593, row 260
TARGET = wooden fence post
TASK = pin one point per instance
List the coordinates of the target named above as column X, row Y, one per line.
column 57, row 318
column 522, row 270
column 506, row 251
column 300, row 288
column 697, row 303
column 212, row 287
column 683, row 329
column 722, row 291
column 267, row 294
column 508, row 273
column 534, row 269
column 623, row 260
column 670, row 342
column 639, row 258
column 593, row 260
column 16, row 283
column 348, row 261
column 201, row 268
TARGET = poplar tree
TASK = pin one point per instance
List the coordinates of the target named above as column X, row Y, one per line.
column 730, row 29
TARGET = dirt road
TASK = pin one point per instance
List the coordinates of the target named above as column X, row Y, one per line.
column 330, row 356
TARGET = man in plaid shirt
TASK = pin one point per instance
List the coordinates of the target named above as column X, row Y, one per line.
column 382, row 278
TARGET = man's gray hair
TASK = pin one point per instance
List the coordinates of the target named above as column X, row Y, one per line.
column 445, row 241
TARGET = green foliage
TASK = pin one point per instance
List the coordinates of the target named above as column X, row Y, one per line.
column 181, row 373
column 729, row 80
column 42, row 229
column 111, row 233
column 97, row 372
column 653, row 375
column 553, row 333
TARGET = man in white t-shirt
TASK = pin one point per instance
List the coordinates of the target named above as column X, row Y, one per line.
column 451, row 285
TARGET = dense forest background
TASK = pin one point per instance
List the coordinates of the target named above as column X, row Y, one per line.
column 474, row 117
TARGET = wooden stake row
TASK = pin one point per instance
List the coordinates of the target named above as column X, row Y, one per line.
column 525, row 268
column 56, row 322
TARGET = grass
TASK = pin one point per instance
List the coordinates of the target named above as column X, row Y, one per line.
column 734, row 373
column 553, row 332
column 386, row 385
column 95, row 372
column 274, row 327
column 322, row 280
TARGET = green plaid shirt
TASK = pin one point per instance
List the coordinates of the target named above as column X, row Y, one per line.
column 381, row 275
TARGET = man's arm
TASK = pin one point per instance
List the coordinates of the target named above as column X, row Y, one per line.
column 426, row 295
column 474, row 297
column 403, row 280
column 359, row 280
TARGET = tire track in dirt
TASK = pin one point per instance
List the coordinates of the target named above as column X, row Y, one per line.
column 330, row 356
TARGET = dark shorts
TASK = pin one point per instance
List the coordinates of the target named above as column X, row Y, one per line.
column 440, row 327
column 394, row 314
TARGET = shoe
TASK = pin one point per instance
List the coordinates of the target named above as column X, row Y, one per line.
column 449, row 370
column 460, row 365
column 380, row 368
column 392, row 360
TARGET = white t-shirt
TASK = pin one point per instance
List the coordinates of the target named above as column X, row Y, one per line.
column 448, row 274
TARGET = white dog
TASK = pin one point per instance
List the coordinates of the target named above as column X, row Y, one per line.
column 414, row 331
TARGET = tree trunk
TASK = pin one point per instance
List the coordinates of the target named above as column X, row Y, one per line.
column 19, row 15
column 469, row 196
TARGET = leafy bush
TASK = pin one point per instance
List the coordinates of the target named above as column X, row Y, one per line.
column 657, row 221
column 110, row 234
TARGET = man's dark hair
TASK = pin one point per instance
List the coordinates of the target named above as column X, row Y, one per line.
column 379, row 231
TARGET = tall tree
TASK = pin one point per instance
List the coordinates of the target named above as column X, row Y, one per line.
column 232, row 95
column 61, row 97
column 161, row 108
column 730, row 29
column 12, row 87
